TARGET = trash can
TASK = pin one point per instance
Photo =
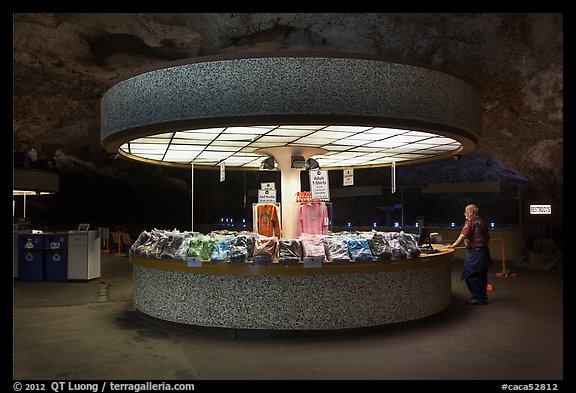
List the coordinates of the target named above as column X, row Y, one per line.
column 56, row 256
column 31, row 258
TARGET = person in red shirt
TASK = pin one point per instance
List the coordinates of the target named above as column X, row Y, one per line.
column 477, row 261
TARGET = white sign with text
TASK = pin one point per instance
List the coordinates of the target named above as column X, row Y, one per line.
column 319, row 187
column 540, row 209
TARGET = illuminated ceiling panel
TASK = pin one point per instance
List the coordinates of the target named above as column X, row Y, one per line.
column 345, row 145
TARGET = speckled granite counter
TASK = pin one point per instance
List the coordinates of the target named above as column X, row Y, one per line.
column 277, row 297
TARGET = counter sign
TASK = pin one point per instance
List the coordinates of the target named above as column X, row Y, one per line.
column 540, row 209
column 319, row 186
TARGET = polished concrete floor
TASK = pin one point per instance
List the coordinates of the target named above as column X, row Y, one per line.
column 89, row 330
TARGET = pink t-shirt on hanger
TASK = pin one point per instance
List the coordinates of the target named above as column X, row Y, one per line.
column 312, row 219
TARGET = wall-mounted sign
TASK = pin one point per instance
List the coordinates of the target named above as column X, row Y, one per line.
column 319, row 186
column 540, row 209
column 348, row 177
column 268, row 186
column 222, row 172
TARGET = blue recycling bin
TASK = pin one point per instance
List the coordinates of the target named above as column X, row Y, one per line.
column 31, row 256
column 56, row 256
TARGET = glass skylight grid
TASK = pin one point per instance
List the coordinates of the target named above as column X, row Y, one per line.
column 314, row 141
column 276, row 139
column 348, row 128
column 289, row 132
column 246, row 130
column 345, row 145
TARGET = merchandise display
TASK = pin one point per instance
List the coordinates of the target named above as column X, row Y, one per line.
column 267, row 218
column 242, row 247
column 313, row 246
column 289, row 250
column 251, row 281
column 359, row 249
column 312, row 219
column 265, row 249
column 221, row 251
column 251, row 247
column 336, row 249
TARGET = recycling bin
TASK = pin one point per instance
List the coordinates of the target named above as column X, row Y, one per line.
column 56, row 256
column 31, row 256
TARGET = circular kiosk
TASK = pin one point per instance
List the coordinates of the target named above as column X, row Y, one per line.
column 342, row 111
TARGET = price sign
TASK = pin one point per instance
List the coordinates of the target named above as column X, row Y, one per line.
column 193, row 262
column 319, row 186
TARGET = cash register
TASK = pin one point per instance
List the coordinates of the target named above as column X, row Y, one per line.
column 424, row 242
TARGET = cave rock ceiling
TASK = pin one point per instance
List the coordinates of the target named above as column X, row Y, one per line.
column 64, row 63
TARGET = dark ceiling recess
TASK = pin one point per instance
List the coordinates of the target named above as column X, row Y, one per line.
column 107, row 44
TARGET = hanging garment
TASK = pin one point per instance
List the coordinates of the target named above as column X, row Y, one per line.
column 268, row 222
column 312, row 219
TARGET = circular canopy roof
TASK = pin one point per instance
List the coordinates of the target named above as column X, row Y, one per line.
column 363, row 111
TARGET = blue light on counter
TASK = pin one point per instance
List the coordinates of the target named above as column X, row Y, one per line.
column 349, row 224
column 374, row 225
column 491, row 225
column 396, row 225
column 416, row 225
column 452, row 225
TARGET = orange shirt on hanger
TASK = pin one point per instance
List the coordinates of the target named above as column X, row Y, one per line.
column 268, row 223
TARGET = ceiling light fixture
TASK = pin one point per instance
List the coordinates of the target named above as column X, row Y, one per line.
column 268, row 164
column 298, row 162
column 312, row 164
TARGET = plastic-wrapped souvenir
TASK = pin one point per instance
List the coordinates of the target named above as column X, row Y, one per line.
column 266, row 245
column 173, row 243
column 242, row 248
column 359, row 250
column 289, row 250
column 143, row 248
column 195, row 245
column 398, row 250
column 312, row 245
column 156, row 249
column 142, row 239
column 379, row 246
column 221, row 251
column 409, row 242
column 336, row 249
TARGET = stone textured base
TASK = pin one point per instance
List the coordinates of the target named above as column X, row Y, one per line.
column 292, row 302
